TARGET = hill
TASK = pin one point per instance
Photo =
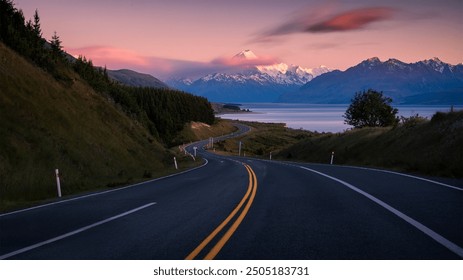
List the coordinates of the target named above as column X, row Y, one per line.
column 432, row 147
column 429, row 82
column 46, row 124
column 428, row 147
column 68, row 114
column 135, row 79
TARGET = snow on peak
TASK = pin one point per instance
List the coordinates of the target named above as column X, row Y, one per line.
column 393, row 63
column 246, row 54
column 249, row 68
column 372, row 61
column 273, row 69
column 279, row 70
column 283, row 68
column 433, row 61
column 436, row 64
column 291, row 74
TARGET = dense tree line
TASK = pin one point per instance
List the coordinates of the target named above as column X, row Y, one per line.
column 26, row 39
column 163, row 112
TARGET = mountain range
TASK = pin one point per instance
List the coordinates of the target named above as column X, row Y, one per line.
column 430, row 81
column 425, row 82
column 249, row 83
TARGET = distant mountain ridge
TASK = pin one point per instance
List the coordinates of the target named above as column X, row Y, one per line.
column 132, row 78
column 425, row 82
column 261, row 83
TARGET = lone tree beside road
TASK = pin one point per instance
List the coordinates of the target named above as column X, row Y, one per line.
column 370, row 109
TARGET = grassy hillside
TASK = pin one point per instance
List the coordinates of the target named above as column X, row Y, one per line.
column 432, row 147
column 263, row 139
column 47, row 124
column 195, row 131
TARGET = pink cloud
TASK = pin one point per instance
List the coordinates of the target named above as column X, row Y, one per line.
column 163, row 68
column 323, row 19
column 234, row 62
column 117, row 58
column 110, row 56
column 352, row 20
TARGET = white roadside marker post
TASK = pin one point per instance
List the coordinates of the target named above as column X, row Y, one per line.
column 332, row 157
column 175, row 163
column 58, row 185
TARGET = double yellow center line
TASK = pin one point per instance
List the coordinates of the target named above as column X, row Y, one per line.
column 247, row 199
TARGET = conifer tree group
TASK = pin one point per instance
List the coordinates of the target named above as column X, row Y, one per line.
column 164, row 112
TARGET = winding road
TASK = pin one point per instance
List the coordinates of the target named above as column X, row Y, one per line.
column 245, row 208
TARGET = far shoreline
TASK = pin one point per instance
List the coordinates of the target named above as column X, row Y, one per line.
column 229, row 108
column 318, row 117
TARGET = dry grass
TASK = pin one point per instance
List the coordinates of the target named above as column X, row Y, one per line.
column 263, row 139
column 46, row 124
column 433, row 147
column 195, row 131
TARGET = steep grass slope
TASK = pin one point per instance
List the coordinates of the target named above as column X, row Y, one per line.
column 432, row 147
column 429, row 147
column 195, row 131
column 45, row 124
column 263, row 139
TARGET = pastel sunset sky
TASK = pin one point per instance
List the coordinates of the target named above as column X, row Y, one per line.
column 185, row 37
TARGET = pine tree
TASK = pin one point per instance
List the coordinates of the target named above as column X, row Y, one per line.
column 36, row 25
column 56, row 45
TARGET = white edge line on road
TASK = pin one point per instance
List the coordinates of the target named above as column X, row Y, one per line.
column 371, row 169
column 406, row 175
column 429, row 232
column 118, row 189
column 103, row 192
column 17, row 252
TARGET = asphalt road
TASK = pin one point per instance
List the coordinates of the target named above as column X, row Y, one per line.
column 242, row 208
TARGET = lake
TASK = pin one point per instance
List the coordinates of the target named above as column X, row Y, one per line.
column 319, row 117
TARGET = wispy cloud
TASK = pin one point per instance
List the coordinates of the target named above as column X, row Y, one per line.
column 323, row 19
column 221, row 64
column 323, row 46
column 107, row 54
column 118, row 58
column 163, row 68
column 233, row 62
column 352, row 20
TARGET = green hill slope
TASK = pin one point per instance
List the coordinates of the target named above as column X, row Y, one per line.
column 433, row 147
column 45, row 124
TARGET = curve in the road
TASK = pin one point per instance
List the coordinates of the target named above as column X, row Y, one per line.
column 429, row 232
column 302, row 211
column 248, row 198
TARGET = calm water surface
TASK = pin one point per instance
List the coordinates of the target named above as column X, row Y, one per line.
column 318, row 117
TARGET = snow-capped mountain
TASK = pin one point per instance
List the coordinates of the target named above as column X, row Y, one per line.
column 425, row 82
column 250, row 82
column 246, row 54
column 291, row 74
